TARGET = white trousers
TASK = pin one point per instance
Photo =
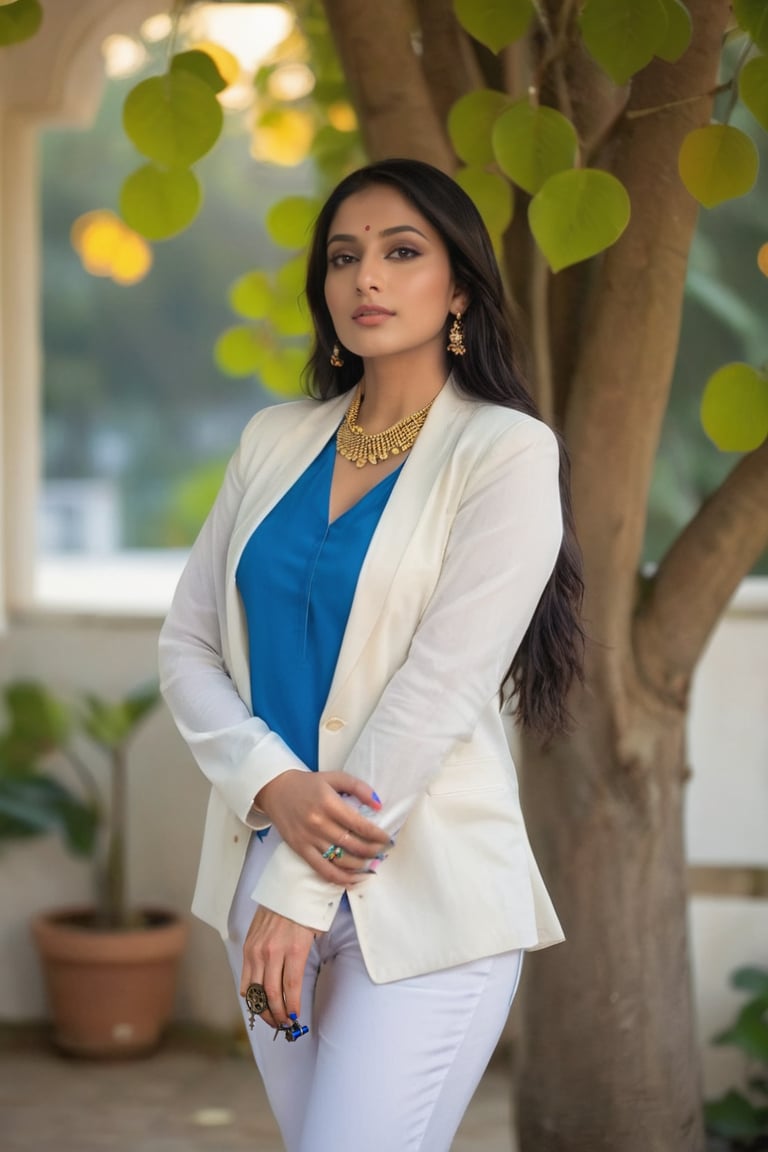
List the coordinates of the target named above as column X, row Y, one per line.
column 385, row 1067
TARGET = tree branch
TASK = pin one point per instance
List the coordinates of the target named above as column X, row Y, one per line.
column 621, row 383
column 450, row 65
column 698, row 576
column 540, row 336
column 394, row 104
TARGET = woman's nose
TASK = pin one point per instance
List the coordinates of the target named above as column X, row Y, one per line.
column 368, row 278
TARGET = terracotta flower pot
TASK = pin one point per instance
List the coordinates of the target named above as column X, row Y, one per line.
column 111, row 992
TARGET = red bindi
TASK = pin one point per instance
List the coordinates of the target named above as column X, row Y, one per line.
column 367, row 228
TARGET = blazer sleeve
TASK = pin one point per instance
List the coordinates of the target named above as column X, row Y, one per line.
column 235, row 750
column 501, row 551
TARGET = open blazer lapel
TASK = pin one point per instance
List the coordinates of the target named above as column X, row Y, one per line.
column 398, row 522
column 274, row 468
column 278, row 466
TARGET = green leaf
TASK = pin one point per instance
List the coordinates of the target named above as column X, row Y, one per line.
column 281, row 372
column 173, row 119
column 532, row 143
column 292, row 276
column 36, row 805
column 495, row 23
column 37, row 724
column 105, row 723
column 202, row 65
column 251, row 295
column 160, row 204
column 289, row 315
column 752, row 16
column 623, row 35
column 734, row 408
column 758, row 1084
column 750, row 1031
column 139, row 703
column 238, row 351
column 290, row 311
column 19, row 21
column 290, row 220
column 334, row 151
column 717, row 163
column 577, row 214
column 753, row 88
column 470, row 124
column 493, row 197
column 753, row 980
column 679, row 31
column 733, row 1117
column 111, row 724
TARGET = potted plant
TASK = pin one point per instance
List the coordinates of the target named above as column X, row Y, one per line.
column 110, row 969
column 739, row 1119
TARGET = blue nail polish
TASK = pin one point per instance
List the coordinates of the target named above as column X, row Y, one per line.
column 375, row 798
column 293, row 1016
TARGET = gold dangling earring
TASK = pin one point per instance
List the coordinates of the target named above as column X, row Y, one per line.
column 456, row 343
column 336, row 359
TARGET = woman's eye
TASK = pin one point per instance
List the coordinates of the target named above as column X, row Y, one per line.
column 403, row 253
column 340, row 259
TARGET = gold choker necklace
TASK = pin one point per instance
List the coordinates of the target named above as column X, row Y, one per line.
column 353, row 443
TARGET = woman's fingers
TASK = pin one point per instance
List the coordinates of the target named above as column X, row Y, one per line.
column 314, row 812
column 343, row 783
column 273, row 986
column 346, row 872
column 299, row 803
column 293, row 975
column 275, row 955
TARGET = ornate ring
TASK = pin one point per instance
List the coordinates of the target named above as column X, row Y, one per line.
column 256, row 999
column 333, row 852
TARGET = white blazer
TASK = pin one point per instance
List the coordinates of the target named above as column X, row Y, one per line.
column 455, row 569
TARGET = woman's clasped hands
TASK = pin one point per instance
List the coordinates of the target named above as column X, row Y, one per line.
column 310, row 812
column 312, row 816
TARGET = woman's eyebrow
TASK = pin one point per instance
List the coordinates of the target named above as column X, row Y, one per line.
column 347, row 238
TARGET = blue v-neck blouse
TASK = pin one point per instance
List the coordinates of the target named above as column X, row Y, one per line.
column 296, row 578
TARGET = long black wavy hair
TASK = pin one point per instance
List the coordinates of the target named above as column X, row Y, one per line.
column 552, row 651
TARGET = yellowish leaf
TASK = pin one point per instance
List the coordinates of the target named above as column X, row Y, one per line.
column 470, row 124
column 753, row 88
column 734, row 408
column 493, row 197
column 283, row 136
column 495, row 22
column 717, row 163
column 577, row 214
column 532, row 143
column 227, row 63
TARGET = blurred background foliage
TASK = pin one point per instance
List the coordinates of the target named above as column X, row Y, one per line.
column 156, row 356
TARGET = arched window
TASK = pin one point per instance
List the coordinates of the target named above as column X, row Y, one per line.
column 117, row 422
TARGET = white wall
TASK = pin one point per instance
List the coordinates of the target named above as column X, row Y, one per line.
column 727, row 817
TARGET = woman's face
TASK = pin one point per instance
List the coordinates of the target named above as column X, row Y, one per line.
column 388, row 285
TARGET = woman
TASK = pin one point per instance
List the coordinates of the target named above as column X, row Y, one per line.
column 378, row 564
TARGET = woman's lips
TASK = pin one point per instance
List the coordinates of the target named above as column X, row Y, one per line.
column 371, row 317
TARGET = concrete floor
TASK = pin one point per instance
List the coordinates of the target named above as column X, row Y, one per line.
column 191, row 1095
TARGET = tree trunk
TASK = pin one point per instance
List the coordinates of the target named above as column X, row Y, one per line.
column 609, row 1054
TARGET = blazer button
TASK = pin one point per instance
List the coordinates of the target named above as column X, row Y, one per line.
column 334, row 724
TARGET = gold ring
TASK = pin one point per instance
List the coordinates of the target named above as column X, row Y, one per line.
column 256, row 999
